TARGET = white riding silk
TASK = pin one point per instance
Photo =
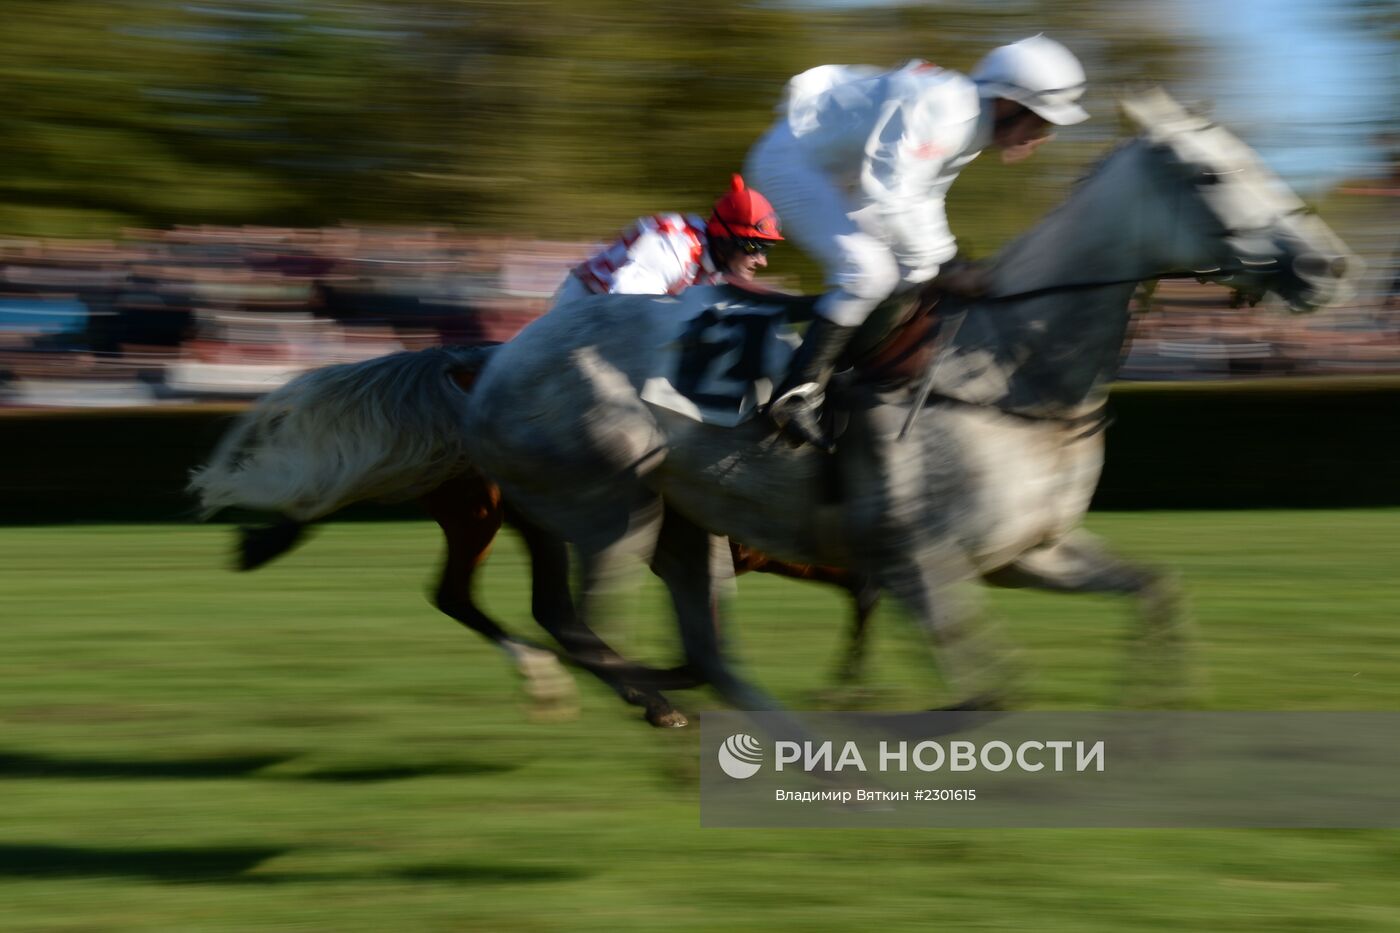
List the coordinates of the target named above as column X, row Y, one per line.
column 858, row 166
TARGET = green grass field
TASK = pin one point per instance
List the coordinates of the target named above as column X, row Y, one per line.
column 313, row 747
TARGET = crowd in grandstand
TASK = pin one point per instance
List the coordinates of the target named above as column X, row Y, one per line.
column 226, row 313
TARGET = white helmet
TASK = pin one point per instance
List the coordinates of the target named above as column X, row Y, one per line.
column 1038, row 73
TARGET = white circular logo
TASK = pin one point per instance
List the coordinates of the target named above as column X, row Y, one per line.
column 740, row 756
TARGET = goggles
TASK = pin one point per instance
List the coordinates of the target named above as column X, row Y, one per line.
column 749, row 245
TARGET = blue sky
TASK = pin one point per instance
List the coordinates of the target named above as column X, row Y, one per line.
column 1297, row 81
column 1292, row 77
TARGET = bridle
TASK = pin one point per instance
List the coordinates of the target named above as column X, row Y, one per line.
column 1201, row 275
column 1221, row 274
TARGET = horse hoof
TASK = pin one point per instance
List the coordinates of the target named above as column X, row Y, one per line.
column 553, row 695
column 539, row 713
column 667, row 718
column 257, row 545
column 980, row 703
column 659, row 711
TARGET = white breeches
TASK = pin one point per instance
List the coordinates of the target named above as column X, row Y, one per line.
column 861, row 271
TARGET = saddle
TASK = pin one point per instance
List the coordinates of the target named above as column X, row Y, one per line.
column 894, row 348
column 717, row 352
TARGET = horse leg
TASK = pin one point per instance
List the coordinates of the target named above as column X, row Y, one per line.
column 1079, row 562
column 865, row 595
column 698, row 569
column 259, row 544
column 904, row 503
column 849, row 689
column 469, row 511
column 976, row 664
column 553, row 609
column 575, row 461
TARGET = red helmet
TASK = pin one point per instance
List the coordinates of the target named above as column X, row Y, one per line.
column 743, row 213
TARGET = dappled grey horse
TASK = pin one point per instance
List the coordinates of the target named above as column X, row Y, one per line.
column 387, row 429
column 997, row 471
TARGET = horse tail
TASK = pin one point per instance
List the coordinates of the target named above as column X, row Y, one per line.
column 387, row 429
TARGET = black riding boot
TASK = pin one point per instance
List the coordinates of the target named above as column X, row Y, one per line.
column 796, row 406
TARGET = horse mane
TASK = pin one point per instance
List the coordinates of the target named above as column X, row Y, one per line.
column 1098, row 165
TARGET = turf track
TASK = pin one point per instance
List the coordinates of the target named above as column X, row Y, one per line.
column 312, row 747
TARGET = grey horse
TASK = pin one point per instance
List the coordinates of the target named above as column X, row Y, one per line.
column 997, row 471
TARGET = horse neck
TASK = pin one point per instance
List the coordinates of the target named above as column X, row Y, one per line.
column 1115, row 225
column 1052, row 354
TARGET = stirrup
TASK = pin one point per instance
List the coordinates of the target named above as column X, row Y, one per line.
column 797, row 413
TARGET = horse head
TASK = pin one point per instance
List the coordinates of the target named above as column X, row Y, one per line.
column 1182, row 198
column 1252, row 233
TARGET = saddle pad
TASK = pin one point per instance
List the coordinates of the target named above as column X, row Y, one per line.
column 723, row 352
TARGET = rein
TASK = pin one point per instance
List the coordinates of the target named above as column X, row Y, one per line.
column 944, row 336
column 1080, row 286
column 911, row 346
column 927, row 346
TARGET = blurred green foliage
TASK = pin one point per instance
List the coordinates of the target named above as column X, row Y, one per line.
column 552, row 118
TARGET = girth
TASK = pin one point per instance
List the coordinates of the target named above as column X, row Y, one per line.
column 1091, row 422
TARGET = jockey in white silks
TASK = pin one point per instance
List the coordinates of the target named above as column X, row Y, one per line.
column 859, row 164
column 667, row 253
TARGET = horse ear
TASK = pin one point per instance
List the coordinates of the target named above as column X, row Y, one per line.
column 1131, row 106
column 1154, row 111
column 1205, row 109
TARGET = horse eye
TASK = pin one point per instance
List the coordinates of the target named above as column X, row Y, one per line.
column 1207, row 178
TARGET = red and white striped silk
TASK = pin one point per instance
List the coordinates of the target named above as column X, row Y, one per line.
column 659, row 255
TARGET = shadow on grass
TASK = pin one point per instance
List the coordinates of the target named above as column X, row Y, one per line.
column 456, row 873
column 488, row 874
column 403, row 772
column 233, row 864
column 202, row 864
column 20, row 765
column 13, row 765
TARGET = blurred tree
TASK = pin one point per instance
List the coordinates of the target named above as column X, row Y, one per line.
column 542, row 117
